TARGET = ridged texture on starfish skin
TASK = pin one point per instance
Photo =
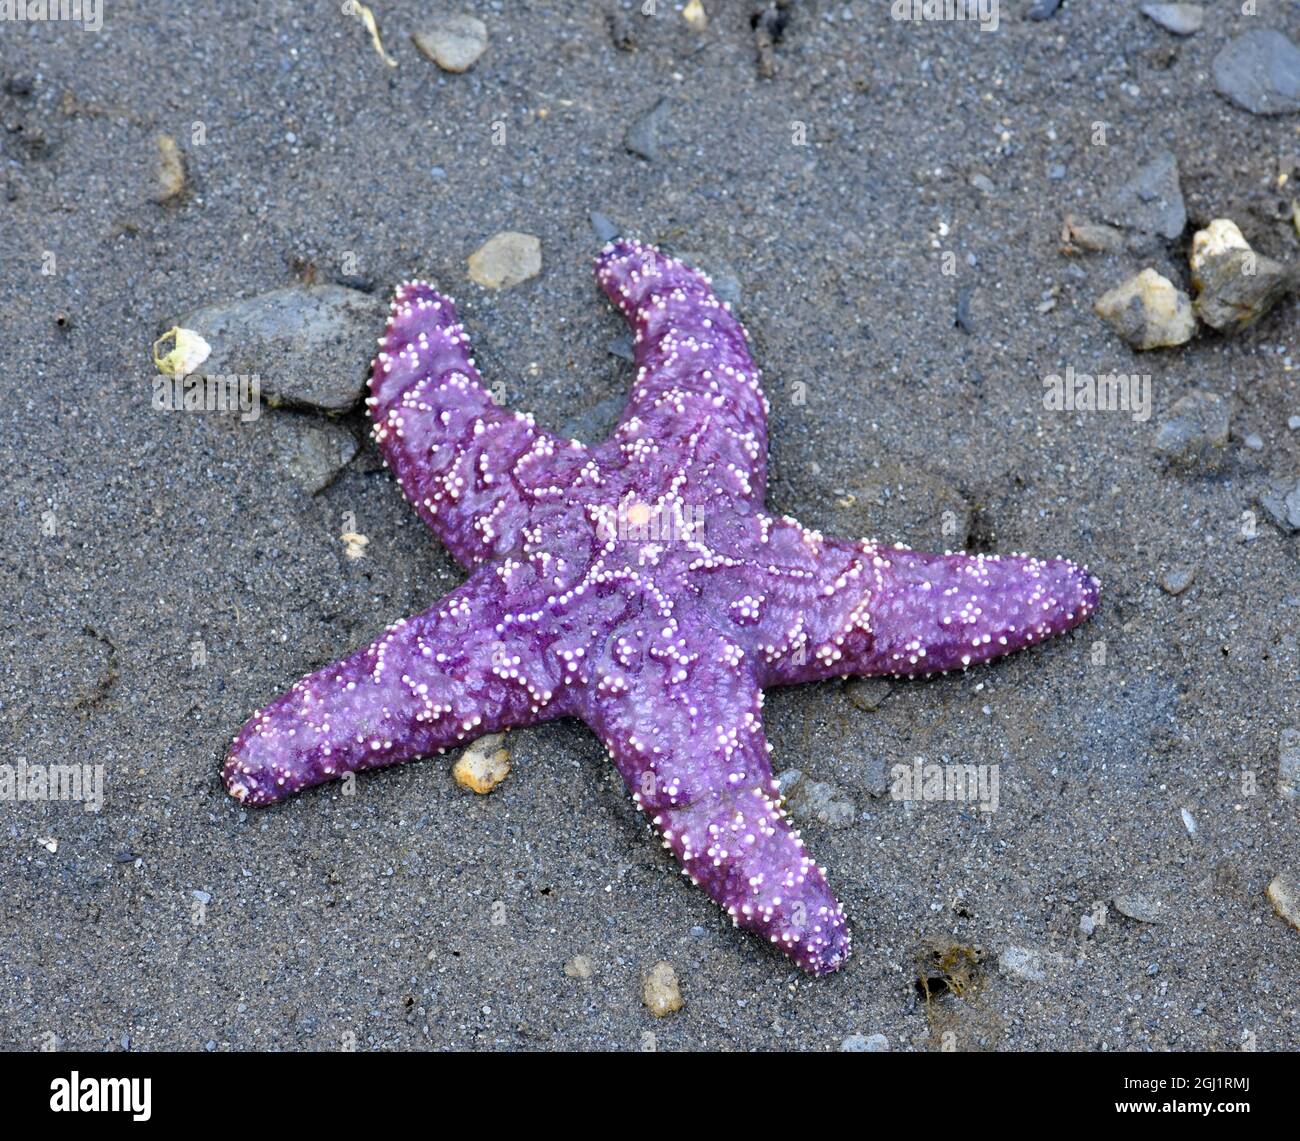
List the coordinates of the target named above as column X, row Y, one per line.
column 639, row 585
column 437, row 679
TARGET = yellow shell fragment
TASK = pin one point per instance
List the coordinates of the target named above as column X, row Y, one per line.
column 189, row 350
column 355, row 544
column 483, row 765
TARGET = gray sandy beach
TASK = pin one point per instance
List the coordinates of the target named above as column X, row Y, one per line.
column 914, row 220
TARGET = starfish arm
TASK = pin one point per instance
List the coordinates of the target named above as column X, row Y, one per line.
column 471, row 469
column 427, row 683
column 695, row 376
column 687, row 737
column 891, row 610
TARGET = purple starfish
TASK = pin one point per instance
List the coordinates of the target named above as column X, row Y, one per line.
column 637, row 584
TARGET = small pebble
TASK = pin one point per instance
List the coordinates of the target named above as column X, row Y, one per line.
column 1254, row 442
column 579, row 967
column 506, row 259
column 1143, row 908
column 1189, row 822
column 170, row 171
column 1288, row 764
column 868, row 693
column 483, row 765
column 1234, row 285
column 1181, row 19
column 1031, row 964
column 453, row 42
column 865, row 1044
column 642, row 137
column 1194, row 437
column 1148, row 311
column 660, row 991
column 1177, row 579
column 1284, row 895
column 1280, row 499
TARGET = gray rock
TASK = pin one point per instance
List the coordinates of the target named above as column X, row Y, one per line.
column 868, row 693
column 1149, row 200
column 1254, row 442
column 1288, row 764
column 1260, row 71
column 1031, row 964
column 1281, row 500
column 1093, row 236
column 642, row 136
column 1043, row 9
column 1293, row 422
column 310, row 346
column 1195, row 436
column 1148, row 311
column 1143, row 908
column 865, row 1044
column 313, row 452
column 811, row 800
column 622, row 346
column 453, row 42
column 1235, row 285
column 593, row 423
column 605, row 230
column 1177, row 579
column 1181, row 19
